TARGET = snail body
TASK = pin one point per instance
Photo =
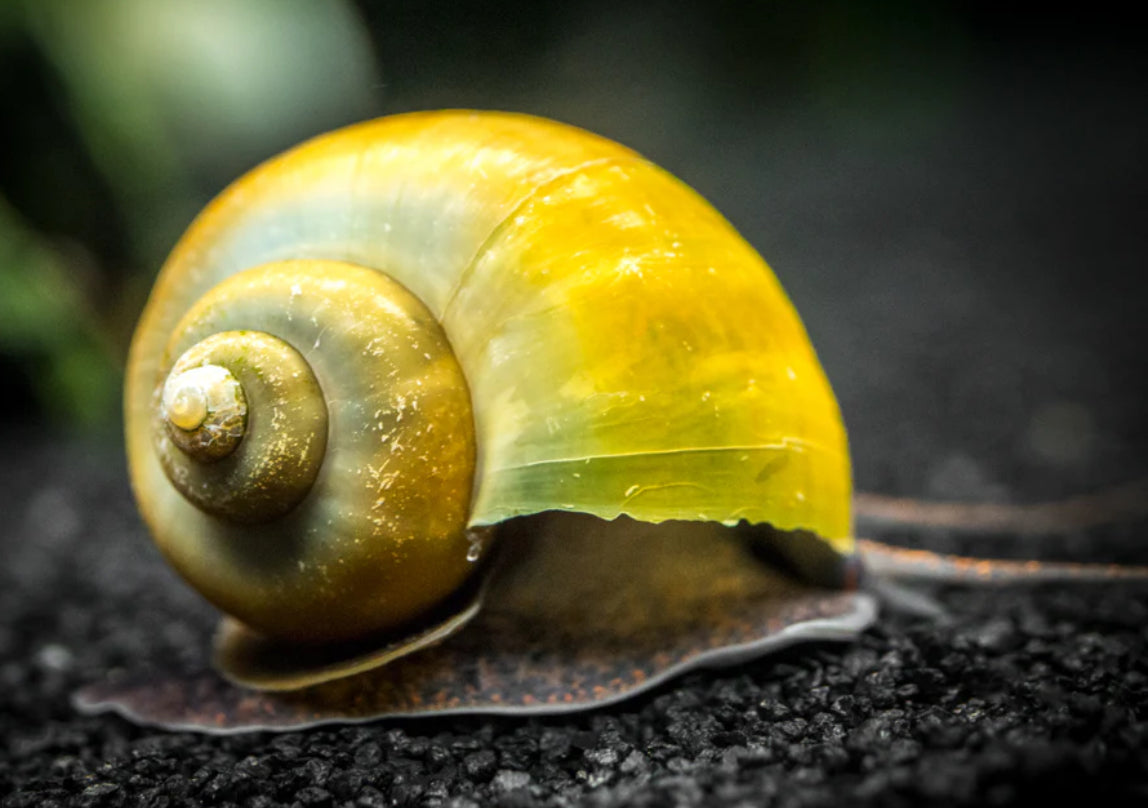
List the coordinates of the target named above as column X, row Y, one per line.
column 372, row 349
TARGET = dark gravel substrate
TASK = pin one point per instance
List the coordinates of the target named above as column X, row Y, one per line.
column 1023, row 694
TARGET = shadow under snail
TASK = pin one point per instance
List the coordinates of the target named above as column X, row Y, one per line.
column 489, row 388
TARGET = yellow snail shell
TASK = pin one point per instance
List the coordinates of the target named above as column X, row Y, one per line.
column 404, row 332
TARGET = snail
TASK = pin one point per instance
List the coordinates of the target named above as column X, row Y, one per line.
column 460, row 411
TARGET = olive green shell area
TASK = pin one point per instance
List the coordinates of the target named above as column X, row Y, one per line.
column 626, row 351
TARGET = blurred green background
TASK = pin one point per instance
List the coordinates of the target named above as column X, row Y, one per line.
column 122, row 118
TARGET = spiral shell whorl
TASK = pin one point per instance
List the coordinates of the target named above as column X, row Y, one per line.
column 343, row 509
column 204, row 410
column 244, row 464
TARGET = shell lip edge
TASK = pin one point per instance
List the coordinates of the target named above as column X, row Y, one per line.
column 801, row 552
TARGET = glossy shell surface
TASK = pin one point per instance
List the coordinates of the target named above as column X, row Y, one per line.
column 626, row 351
